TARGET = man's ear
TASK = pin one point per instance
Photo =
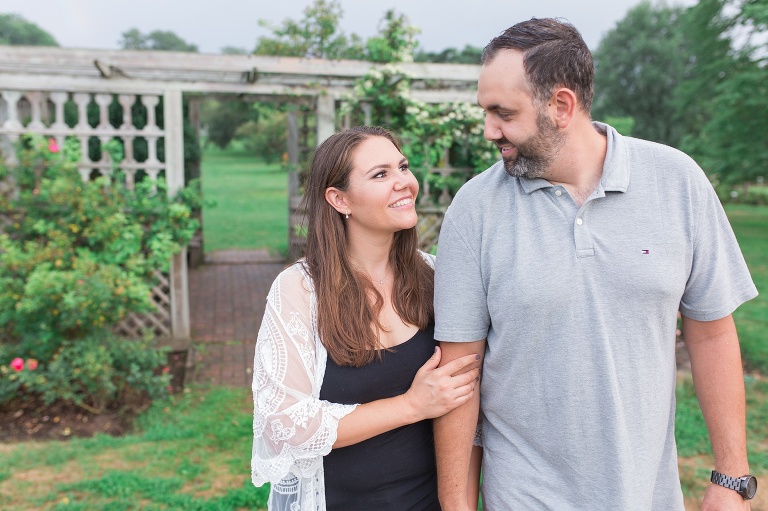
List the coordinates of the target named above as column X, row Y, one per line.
column 335, row 198
column 565, row 103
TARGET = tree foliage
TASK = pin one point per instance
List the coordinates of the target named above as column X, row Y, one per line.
column 694, row 78
column 639, row 64
column 733, row 141
column 316, row 35
column 396, row 41
column 468, row 55
column 160, row 40
column 17, row 31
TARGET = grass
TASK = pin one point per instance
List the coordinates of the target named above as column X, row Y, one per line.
column 750, row 223
column 189, row 453
column 251, row 202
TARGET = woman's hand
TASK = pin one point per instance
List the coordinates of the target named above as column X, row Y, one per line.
column 436, row 391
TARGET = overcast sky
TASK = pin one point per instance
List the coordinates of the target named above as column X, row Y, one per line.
column 214, row 24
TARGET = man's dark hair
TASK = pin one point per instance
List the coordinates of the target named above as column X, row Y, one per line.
column 554, row 55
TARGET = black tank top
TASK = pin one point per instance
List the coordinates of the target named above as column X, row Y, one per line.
column 394, row 471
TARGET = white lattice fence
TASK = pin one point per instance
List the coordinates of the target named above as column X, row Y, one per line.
column 158, row 322
column 42, row 112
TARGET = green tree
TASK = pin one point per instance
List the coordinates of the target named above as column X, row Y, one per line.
column 639, row 65
column 732, row 143
column 163, row 40
column 396, row 40
column 233, row 50
column 316, row 35
column 468, row 55
column 708, row 60
column 17, row 31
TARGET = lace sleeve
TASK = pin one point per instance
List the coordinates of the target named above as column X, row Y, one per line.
column 292, row 427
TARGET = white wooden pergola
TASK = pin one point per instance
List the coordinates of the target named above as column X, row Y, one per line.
column 37, row 82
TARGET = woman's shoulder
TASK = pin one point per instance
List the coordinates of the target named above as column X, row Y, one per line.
column 429, row 258
column 294, row 278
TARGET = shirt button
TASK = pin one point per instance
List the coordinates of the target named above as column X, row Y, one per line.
column 558, row 192
column 579, row 221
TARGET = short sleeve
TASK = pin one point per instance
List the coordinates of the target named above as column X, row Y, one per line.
column 292, row 427
column 719, row 280
column 461, row 305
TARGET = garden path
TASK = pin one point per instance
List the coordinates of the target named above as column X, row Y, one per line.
column 226, row 306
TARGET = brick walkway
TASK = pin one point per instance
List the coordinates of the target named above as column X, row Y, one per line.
column 226, row 307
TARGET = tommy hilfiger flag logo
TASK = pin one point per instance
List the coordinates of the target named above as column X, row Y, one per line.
column 646, row 251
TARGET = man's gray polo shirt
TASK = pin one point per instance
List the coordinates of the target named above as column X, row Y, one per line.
column 579, row 308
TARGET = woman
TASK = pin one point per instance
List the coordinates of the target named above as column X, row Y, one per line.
column 346, row 370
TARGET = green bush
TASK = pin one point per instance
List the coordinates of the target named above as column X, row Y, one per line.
column 75, row 259
column 94, row 373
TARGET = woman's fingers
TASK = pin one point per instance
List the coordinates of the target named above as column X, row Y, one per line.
column 461, row 364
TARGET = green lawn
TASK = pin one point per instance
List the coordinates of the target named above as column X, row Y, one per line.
column 191, row 453
column 750, row 223
column 251, row 197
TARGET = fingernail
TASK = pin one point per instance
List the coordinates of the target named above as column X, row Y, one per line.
column 477, row 357
column 435, row 349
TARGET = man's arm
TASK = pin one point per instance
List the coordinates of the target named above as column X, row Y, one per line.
column 454, row 433
column 718, row 377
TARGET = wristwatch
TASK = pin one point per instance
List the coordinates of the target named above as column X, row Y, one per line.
column 746, row 486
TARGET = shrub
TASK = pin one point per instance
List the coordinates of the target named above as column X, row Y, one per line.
column 94, row 373
column 75, row 259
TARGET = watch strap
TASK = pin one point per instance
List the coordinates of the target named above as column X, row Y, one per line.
column 734, row 483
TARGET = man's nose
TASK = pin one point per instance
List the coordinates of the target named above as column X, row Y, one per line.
column 491, row 130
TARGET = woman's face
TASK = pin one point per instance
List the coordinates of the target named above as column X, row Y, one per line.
column 381, row 196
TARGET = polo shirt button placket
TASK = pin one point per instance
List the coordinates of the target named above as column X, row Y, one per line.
column 584, row 247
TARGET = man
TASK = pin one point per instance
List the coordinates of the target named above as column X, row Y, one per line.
column 565, row 265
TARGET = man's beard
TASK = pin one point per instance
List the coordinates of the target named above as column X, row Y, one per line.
column 535, row 155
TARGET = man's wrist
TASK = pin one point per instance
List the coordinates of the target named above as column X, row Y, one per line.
column 744, row 485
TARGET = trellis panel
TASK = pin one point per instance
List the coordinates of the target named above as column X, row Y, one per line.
column 41, row 112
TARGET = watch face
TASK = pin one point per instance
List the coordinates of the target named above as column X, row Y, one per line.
column 751, row 487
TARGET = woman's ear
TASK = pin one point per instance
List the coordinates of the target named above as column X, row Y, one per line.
column 335, row 198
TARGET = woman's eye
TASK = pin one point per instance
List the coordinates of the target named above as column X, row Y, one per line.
column 380, row 174
column 405, row 167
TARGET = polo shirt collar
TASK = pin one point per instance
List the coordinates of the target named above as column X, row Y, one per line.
column 615, row 169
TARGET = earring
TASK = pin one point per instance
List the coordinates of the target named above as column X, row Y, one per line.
column 347, row 215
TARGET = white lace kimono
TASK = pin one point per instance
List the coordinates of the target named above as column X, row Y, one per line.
column 292, row 428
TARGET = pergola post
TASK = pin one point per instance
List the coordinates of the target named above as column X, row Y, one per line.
column 174, row 175
column 326, row 117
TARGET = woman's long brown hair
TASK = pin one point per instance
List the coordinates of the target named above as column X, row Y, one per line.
column 348, row 304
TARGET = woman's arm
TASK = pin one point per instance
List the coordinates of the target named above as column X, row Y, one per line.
column 434, row 392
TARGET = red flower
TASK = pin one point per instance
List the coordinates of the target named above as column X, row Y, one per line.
column 17, row 364
column 52, row 145
column 31, row 364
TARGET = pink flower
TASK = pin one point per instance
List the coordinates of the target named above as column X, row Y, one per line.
column 17, row 364
column 166, row 369
column 52, row 145
column 31, row 364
